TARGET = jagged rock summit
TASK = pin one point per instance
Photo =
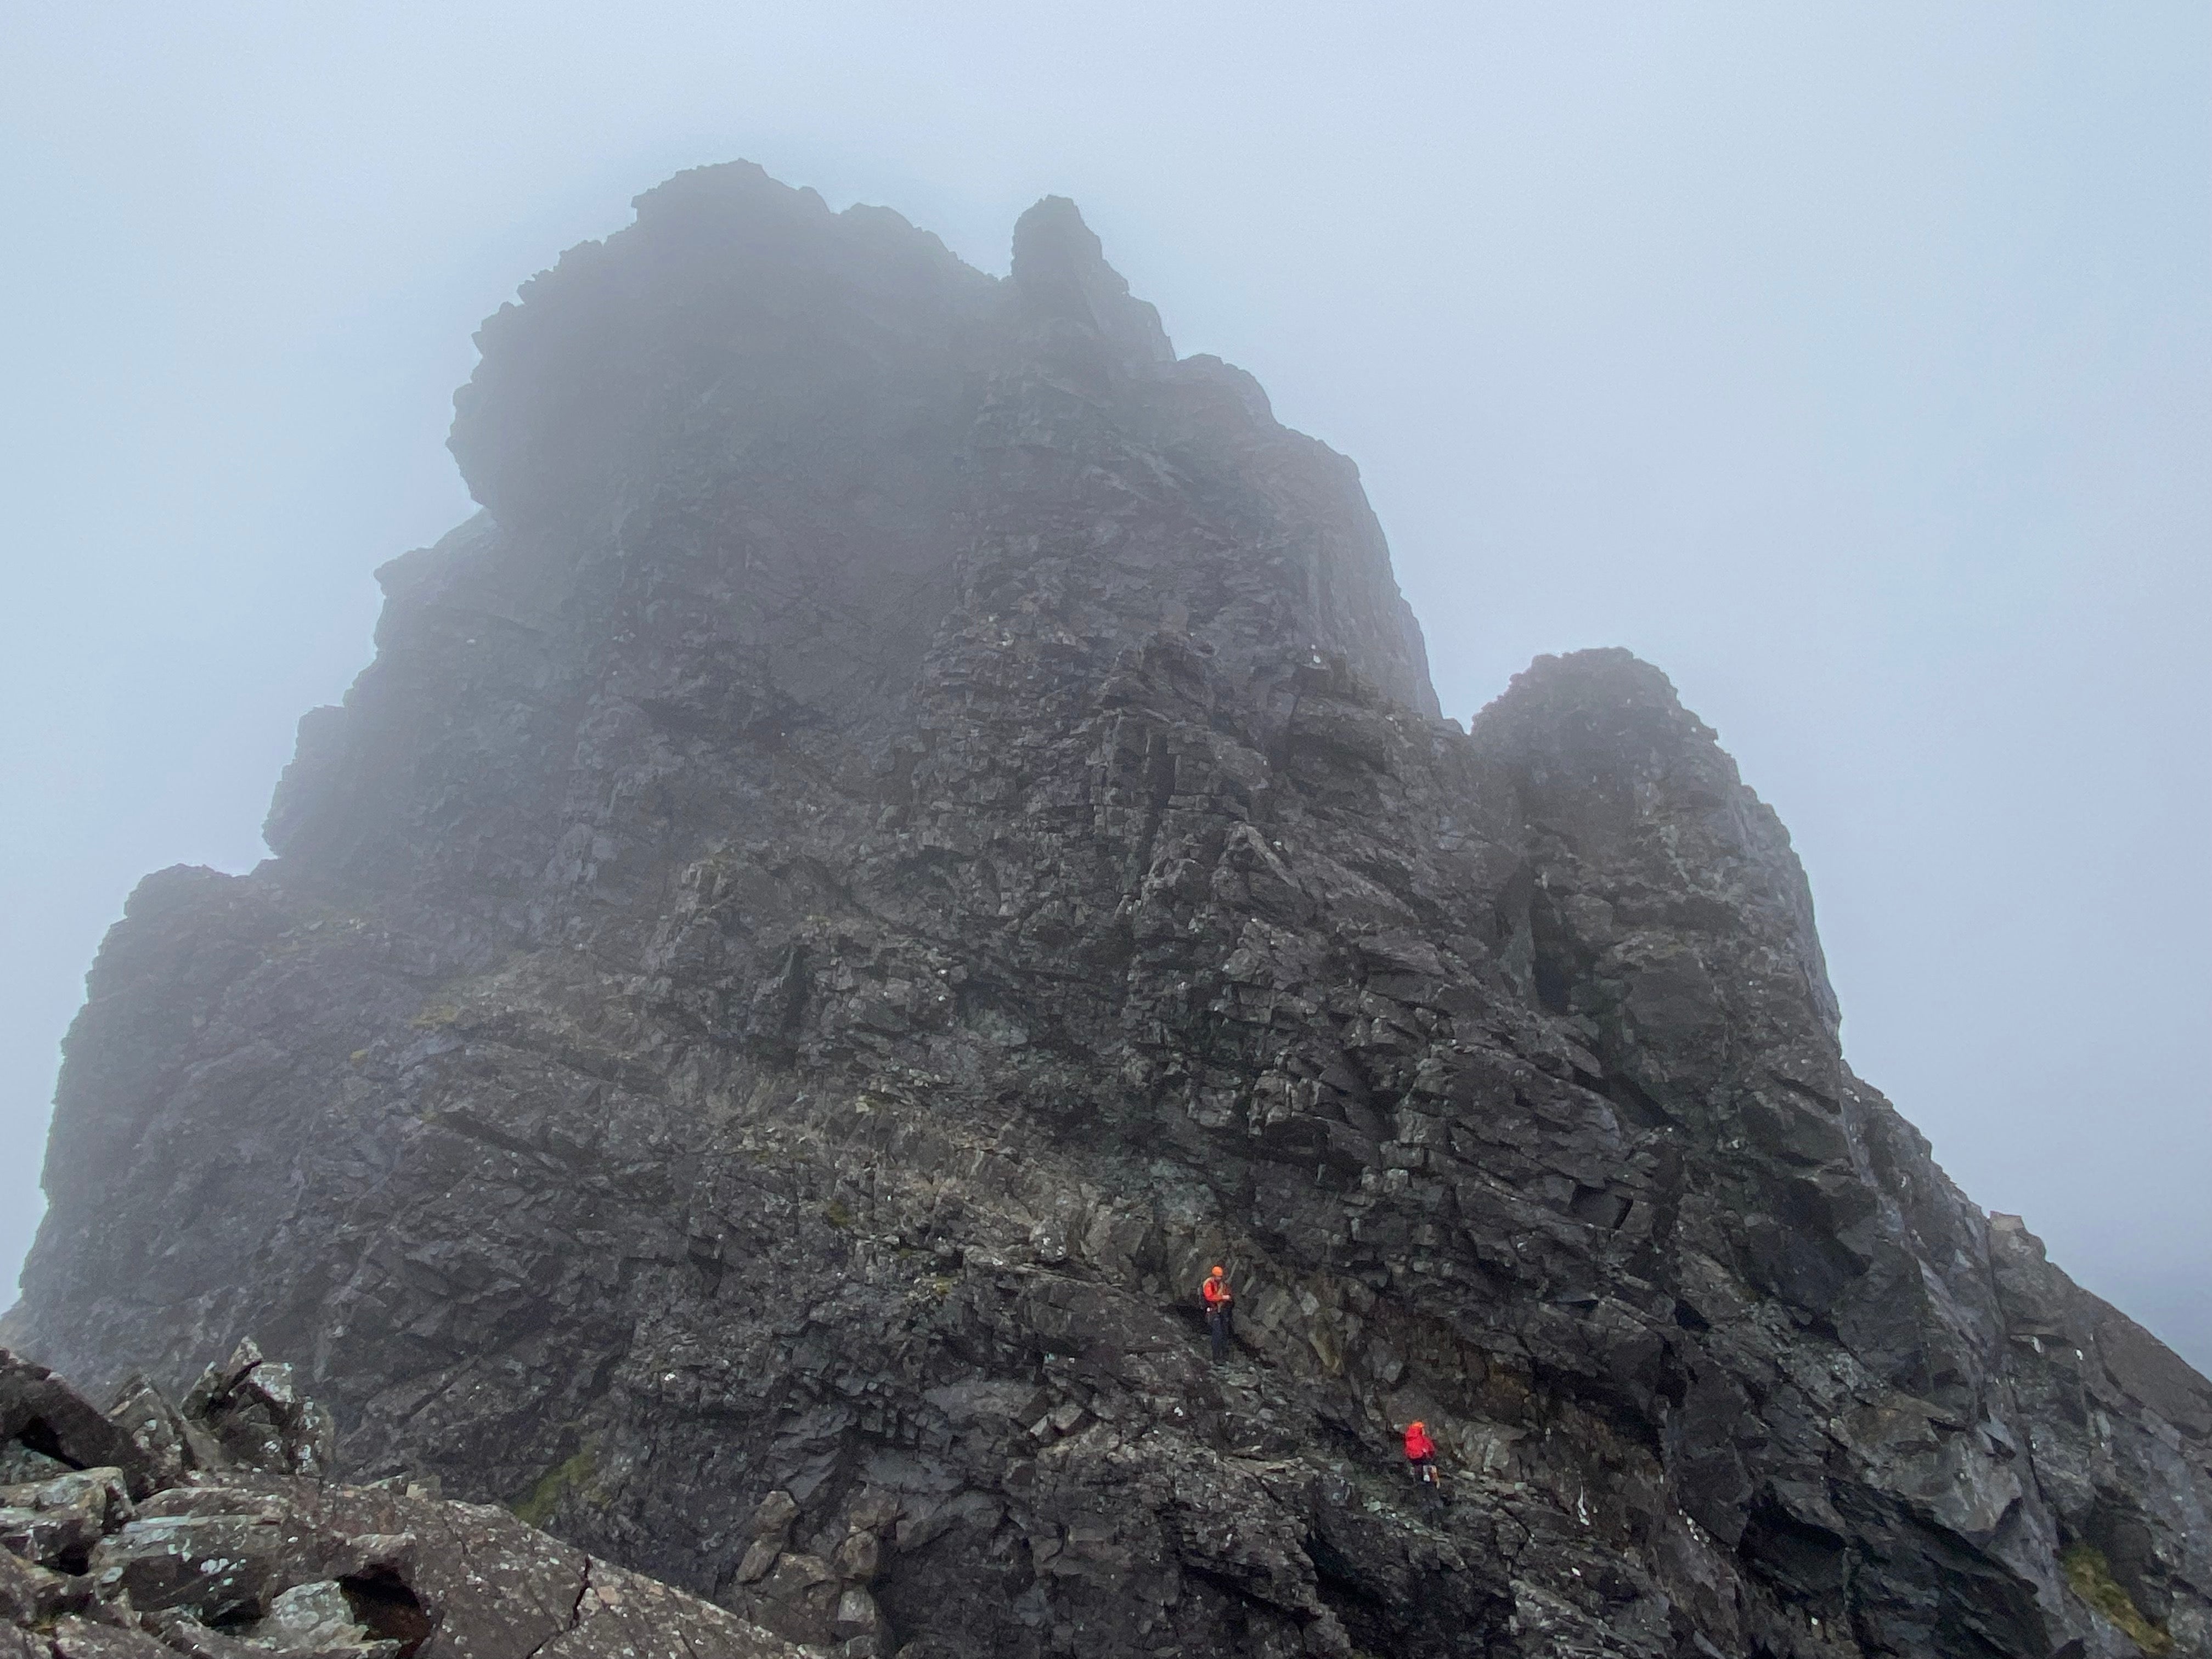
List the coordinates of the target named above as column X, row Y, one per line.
column 913, row 823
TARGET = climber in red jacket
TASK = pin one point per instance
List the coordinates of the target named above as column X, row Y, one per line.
column 1220, row 1310
column 1421, row 1452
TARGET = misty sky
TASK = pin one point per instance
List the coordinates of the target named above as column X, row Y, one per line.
column 1852, row 363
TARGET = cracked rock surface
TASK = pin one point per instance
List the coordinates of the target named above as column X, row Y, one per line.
column 913, row 824
column 255, row 1553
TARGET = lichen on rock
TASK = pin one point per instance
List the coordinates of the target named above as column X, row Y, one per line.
column 230, row 1550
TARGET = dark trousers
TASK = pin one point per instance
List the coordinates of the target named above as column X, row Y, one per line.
column 1218, row 1326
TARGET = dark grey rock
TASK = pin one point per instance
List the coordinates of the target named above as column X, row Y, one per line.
column 73, row 1638
column 56, row 1522
column 43, row 1417
column 913, row 824
column 248, row 1413
column 217, row 1567
column 171, row 1442
column 234, row 1562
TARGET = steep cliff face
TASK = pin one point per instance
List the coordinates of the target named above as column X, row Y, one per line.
column 913, row 824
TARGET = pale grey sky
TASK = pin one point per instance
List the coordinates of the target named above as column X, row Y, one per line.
column 1853, row 364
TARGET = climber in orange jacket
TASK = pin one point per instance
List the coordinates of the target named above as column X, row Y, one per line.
column 1421, row 1452
column 1220, row 1310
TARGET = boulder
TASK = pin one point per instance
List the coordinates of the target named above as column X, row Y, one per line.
column 232, row 1561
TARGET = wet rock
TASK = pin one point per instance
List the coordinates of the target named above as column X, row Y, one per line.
column 800, row 1598
column 856, row 1558
column 181, row 1632
column 82, row 1639
column 41, row 1415
column 172, row 1442
column 759, row 1558
column 56, row 1522
column 314, row 1617
column 773, row 1518
column 20, row 1466
column 913, row 824
column 770, row 1531
column 258, row 1417
column 857, row 1615
column 215, row 1567
column 232, row 1562
column 31, row 1594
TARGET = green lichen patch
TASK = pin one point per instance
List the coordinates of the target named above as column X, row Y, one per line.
column 556, row 1484
column 2091, row 1576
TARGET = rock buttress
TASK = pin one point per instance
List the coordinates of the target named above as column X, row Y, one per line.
column 913, row 824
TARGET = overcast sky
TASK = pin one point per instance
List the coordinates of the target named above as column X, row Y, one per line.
column 1852, row 363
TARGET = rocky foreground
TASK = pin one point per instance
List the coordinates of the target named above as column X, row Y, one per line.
column 216, row 1532
column 913, row 824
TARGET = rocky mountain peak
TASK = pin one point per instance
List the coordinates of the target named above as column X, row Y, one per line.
column 913, row 824
column 1060, row 277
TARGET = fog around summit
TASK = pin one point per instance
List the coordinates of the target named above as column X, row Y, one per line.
column 1854, row 369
